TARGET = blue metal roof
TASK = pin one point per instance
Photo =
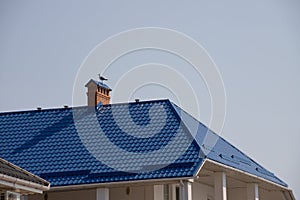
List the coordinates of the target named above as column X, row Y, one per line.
column 65, row 146
column 218, row 149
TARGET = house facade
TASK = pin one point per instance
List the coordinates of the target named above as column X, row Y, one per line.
column 150, row 150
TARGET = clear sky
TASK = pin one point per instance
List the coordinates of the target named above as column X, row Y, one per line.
column 255, row 44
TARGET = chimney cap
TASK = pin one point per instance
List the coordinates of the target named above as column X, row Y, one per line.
column 98, row 83
column 39, row 108
column 66, row 106
column 137, row 100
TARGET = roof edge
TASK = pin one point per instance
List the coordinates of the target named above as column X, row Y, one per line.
column 45, row 183
column 23, row 184
column 246, row 173
column 95, row 185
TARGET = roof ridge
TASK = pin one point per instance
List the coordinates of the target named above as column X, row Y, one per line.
column 79, row 107
column 180, row 119
column 29, row 111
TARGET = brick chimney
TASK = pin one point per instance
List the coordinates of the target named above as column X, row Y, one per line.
column 97, row 92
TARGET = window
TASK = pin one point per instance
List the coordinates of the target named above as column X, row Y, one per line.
column 9, row 196
column 171, row 192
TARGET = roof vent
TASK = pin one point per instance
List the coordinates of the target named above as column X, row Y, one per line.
column 39, row 108
column 137, row 100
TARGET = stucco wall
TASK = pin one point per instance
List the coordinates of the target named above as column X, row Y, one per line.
column 71, row 195
column 236, row 193
column 201, row 191
column 131, row 193
column 119, row 193
column 266, row 195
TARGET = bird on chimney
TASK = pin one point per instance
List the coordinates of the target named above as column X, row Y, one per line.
column 102, row 78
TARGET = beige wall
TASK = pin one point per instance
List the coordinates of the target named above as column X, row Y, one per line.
column 241, row 193
column 236, row 193
column 71, row 195
column 273, row 195
column 201, row 191
column 135, row 193
column 119, row 193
